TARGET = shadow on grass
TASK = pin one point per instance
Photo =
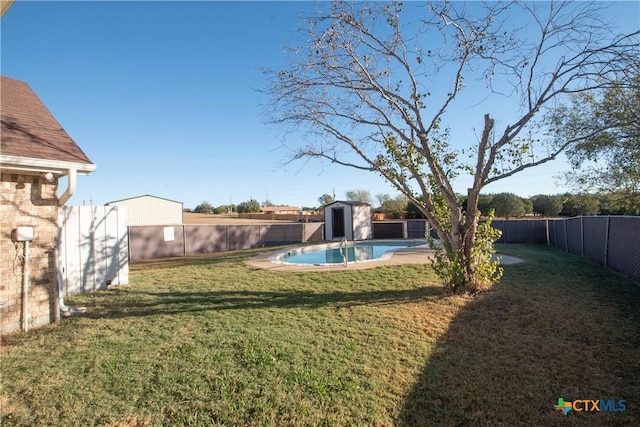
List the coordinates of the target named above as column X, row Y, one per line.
column 553, row 327
column 195, row 260
column 141, row 303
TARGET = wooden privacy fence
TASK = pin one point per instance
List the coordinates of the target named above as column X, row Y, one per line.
column 149, row 242
column 92, row 248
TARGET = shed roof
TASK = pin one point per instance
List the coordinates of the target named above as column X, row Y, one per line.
column 348, row 202
column 29, row 130
column 140, row 197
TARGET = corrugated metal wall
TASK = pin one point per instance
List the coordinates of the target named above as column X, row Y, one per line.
column 150, row 210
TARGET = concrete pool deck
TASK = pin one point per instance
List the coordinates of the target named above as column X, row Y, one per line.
column 412, row 255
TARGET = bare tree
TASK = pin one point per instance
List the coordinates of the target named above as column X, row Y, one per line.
column 363, row 196
column 372, row 91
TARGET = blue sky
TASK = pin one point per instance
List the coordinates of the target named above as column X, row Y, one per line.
column 163, row 97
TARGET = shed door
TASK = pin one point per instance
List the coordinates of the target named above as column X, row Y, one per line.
column 337, row 221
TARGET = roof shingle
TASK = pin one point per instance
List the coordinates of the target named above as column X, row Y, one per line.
column 30, row 130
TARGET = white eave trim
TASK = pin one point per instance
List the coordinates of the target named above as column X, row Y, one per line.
column 57, row 167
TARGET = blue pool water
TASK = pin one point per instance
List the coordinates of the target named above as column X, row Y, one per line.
column 355, row 252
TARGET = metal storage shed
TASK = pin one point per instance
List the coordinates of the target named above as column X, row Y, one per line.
column 348, row 219
column 151, row 210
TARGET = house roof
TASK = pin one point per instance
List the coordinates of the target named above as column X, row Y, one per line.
column 140, row 197
column 279, row 208
column 31, row 136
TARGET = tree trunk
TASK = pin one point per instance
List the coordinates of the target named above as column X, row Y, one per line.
column 459, row 243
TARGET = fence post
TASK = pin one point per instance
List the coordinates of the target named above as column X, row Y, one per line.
column 606, row 241
column 582, row 235
column 184, row 240
column 128, row 243
column 566, row 238
column 546, row 222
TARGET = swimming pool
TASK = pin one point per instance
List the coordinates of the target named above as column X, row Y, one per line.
column 330, row 253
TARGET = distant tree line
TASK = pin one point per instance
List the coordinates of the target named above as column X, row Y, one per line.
column 249, row 206
column 505, row 205
column 509, row 205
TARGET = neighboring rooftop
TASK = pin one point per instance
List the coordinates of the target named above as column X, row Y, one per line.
column 276, row 209
column 29, row 130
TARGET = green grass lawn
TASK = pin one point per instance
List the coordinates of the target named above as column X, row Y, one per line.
column 208, row 340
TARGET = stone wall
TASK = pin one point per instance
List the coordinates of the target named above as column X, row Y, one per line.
column 27, row 200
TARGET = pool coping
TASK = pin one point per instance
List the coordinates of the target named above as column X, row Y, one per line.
column 411, row 255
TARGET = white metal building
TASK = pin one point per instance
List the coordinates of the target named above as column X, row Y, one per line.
column 151, row 210
column 348, row 219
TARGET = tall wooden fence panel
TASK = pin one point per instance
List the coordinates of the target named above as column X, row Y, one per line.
column 92, row 248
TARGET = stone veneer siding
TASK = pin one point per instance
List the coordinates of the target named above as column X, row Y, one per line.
column 27, row 200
